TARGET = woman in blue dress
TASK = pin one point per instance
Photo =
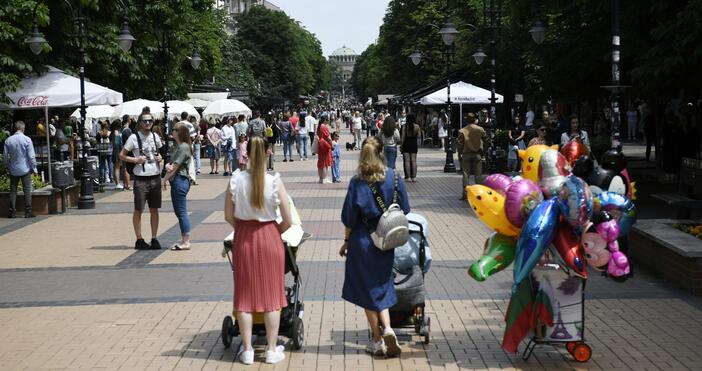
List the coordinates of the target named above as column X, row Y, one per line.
column 368, row 279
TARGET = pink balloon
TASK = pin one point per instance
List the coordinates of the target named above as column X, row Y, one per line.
column 498, row 182
column 521, row 199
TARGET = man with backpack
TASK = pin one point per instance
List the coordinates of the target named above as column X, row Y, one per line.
column 257, row 127
column 140, row 153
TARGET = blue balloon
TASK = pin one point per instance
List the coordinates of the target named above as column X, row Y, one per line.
column 621, row 208
column 537, row 233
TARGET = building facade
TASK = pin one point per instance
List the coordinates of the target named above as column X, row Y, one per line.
column 346, row 59
column 239, row 6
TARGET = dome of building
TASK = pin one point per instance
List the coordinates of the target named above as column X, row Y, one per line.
column 343, row 51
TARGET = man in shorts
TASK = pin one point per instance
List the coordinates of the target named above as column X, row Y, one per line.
column 143, row 152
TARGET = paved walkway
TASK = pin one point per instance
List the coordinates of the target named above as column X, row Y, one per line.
column 75, row 295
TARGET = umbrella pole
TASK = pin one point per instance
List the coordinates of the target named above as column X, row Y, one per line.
column 48, row 143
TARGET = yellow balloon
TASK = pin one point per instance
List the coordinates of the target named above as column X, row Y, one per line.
column 490, row 207
column 530, row 160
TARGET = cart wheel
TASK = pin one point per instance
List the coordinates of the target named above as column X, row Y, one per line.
column 298, row 333
column 427, row 330
column 570, row 346
column 582, row 352
column 227, row 324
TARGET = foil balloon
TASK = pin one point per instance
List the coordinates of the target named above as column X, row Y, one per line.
column 576, row 202
column 530, row 160
column 497, row 255
column 583, row 167
column 521, row 199
column 490, row 207
column 498, row 182
column 537, row 234
column 618, row 265
column 603, row 180
column 613, row 160
column 568, row 246
column 631, row 186
column 553, row 170
column 595, row 248
column 573, row 150
column 620, row 208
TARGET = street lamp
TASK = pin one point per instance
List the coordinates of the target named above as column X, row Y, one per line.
column 538, row 32
column 448, row 33
column 479, row 56
column 416, row 56
column 36, row 42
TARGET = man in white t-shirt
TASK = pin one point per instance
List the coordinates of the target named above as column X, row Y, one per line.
column 141, row 149
column 529, row 119
column 357, row 127
column 228, row 145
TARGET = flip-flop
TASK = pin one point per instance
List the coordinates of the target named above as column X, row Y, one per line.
column 177, row 247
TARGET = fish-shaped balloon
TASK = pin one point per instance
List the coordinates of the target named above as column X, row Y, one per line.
column 530, row 160
column 537, row 234
column 489, row 205
column 498, row 182
column 497, row 255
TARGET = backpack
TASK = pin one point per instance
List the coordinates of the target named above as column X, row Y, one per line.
column 269, row 131
column 393, row 228
column 130, row 165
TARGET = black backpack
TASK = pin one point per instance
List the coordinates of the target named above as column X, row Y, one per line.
column 130, row 165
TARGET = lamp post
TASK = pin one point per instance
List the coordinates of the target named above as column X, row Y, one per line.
column 494, row 13
column 124, row 39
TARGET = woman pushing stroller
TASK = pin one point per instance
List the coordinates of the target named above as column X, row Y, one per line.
column 368, row 279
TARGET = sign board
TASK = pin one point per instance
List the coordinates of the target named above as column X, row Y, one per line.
column 519, row 98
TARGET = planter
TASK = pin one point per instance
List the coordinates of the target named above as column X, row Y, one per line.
column 674, row 255
column 45, row 201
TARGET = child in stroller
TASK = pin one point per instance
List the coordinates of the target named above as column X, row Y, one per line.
column 412, row 262
column 291, row 324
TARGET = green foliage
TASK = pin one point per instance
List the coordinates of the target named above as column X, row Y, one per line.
column 5, row 179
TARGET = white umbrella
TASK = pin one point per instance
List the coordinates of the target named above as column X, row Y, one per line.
column 176, row 107
column 133, row 108
column 461, row 93
column 198, row 103
column 95, row 112
column 226, row 107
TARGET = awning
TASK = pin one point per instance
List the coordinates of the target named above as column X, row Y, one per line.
column 461, row 93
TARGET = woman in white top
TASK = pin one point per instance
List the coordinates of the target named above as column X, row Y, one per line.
column 442, row 132
column 390, row 137
column 252, row 199
column 575, row 133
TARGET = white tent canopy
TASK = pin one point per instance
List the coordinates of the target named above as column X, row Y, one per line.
column 226, row 107
column 461, row 93
column 176, row 107
column 99, row 112
column 57, row 89
column 133, row 109
column 198, row 103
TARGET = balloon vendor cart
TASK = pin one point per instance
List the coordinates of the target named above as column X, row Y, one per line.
column 564, row 295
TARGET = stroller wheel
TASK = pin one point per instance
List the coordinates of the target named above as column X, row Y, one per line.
column 227, row 324
column 427, row 329
column 582, row 352
column 298, row 333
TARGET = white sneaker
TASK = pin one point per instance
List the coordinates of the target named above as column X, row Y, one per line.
column 275, row 356
column 327, row 181
column 393, row 346
column 376, row 348
column 245, row 356
column 119, row 186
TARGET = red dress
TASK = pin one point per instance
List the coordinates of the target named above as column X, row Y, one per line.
column 324, row 150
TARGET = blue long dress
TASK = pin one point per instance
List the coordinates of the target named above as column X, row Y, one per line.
column 368, row 279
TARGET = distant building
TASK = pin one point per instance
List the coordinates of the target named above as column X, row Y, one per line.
column 346, row 59
column 239, row 6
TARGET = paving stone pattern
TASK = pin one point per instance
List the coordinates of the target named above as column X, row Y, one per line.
column 74, row 295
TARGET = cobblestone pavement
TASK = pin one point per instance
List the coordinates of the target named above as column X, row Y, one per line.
column 75, row 295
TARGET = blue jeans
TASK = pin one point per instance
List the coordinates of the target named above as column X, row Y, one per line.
column 390, row 156
column 287, row 146
column 180, row 185
column 196, row 156
column 302, row 142
column 107, row 167
column 336, row 169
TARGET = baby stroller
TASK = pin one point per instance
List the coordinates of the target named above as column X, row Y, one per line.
column 412, row 261
column 291, row 324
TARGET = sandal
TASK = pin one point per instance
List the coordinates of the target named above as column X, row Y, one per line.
column 177, row 247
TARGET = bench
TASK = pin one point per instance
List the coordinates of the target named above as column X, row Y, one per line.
column 689, row 195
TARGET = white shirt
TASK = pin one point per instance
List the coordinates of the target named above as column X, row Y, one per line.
column 529, row 118
column 357, row 123
column 228, row 133
column 240, row 188
column 310, row 123
column 149, row 149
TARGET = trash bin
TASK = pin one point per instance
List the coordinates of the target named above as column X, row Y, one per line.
column 62, row 174
column 93, row 168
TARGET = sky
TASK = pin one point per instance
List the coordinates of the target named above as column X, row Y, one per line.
column 354, row 23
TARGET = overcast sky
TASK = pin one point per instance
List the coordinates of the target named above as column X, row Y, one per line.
column 354, row 23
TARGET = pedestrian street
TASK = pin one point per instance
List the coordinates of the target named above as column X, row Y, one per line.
column 74, row 294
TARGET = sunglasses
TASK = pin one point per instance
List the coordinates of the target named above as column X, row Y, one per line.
column 542, row 129
column 148, row 121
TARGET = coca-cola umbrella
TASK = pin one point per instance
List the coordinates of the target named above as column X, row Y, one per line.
column 133, row 108
column 56, row 89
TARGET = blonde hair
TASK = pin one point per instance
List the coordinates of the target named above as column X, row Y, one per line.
column 371, row 164
column 257, row 162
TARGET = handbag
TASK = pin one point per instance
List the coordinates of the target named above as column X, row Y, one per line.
column 393, row 227
column 315, row 146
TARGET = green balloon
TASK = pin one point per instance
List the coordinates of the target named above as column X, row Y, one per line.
column 498, row 255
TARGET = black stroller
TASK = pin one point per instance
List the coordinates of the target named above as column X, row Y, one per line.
column 409, row 312
column 291, row 325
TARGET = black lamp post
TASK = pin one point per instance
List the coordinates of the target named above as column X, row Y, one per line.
column 124, row 39
column 493, row 12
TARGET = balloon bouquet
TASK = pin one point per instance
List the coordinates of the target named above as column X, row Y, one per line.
column 563, row 209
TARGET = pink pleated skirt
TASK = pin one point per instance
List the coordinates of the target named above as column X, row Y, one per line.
column 258, row 257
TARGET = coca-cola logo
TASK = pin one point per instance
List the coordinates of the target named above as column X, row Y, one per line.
column 38, row 101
